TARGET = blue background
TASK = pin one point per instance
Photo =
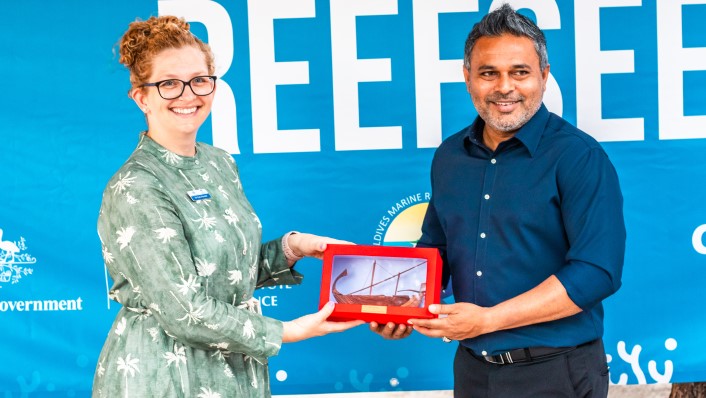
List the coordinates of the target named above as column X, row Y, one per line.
column 66, row 124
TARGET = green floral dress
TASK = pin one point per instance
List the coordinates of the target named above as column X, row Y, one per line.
column 184, row 270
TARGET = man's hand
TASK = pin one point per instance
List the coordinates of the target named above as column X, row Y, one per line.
column 457, row 321
column 391, row 331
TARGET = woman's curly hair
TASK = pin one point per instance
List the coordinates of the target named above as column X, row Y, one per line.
column 145, row 39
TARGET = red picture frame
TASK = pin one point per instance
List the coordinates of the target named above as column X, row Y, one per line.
column 408, row 280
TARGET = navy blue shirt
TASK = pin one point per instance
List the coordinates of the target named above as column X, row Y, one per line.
column 545, row 202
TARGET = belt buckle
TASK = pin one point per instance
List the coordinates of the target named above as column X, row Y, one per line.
column 501, row 359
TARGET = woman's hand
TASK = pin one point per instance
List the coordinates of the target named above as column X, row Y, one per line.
column 308, row 245
column 314, row 325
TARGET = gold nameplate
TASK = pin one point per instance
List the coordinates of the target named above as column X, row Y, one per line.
column 373, row 309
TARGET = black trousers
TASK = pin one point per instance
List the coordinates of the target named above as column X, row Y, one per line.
column 579, row 373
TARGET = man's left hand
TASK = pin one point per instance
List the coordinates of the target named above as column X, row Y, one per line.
column 391, row 331
column 457, row 321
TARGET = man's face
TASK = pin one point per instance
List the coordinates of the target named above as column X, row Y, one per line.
column 505, row 82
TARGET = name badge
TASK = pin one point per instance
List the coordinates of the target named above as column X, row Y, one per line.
column 198, row 194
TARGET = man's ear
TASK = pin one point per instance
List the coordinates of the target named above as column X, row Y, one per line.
column 545, row 76
column 467, row 78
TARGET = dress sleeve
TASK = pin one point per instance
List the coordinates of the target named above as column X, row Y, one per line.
column 274, row 268
column 147, row 248
column 592, row 208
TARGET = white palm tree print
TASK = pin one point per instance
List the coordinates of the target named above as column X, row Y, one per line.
column 107, row 256
column 128, row 365
column 123, row 183
column 229, row 161
column 223, row 191
column 120, row 327
column 204, row 268
column 205, row 221
column 219, row 238
column 235, row 276
column 248, row 329
column 124, row 237
column 131, row 199
column 177, row 357
column 170, row 157
column 154, row 332
column 252, row 270
column 206, row 392
column 101, row 369
column 230, row 216
column 192, row 315
column 186, row 285
column 233, row 220
column 165, row 234
column 219, row 346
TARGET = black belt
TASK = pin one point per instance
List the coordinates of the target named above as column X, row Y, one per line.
column 524, row 354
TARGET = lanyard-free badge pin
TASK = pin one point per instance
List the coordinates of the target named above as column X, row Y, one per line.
column 198, row 194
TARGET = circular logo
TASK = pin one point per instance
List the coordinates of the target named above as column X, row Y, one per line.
column 402, row 224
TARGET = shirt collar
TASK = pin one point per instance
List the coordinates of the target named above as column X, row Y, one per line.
column 166, row 156
column 529, row 134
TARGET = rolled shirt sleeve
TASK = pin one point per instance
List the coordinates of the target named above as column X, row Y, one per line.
column 592, row 207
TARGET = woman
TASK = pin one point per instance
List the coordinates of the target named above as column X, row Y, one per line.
column 182, row 243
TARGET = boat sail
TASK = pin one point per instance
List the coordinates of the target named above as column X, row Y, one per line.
column 397, row 300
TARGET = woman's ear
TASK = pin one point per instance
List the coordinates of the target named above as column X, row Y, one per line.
column 139, row 97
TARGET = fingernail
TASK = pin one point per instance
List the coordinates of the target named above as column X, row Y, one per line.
column 432, row 308
column 330, row 304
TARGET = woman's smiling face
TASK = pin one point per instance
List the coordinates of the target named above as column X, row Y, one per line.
column 185, row 114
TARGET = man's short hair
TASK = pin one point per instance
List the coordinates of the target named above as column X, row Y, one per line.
column 505, row 20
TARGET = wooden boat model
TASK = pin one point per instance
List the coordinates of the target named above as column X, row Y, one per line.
column 396, row 300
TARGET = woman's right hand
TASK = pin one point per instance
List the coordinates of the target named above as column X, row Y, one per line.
column 314, row 325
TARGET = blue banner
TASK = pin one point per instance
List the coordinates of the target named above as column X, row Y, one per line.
column 332, row 110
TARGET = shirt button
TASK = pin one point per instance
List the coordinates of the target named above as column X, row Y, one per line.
column 486, row 196
column 197, row 162
column 479, row 273
column 484, row 352
column 482, row 235
column 493, row 161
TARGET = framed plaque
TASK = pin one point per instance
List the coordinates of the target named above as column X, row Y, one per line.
column 380, row 283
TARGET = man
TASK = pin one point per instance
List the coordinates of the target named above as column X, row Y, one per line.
column 527, row 213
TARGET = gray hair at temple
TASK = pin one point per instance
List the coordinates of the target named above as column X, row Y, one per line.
column 506, row 20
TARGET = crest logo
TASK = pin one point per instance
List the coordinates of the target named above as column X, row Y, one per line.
column 402, row 224
column 13, row 260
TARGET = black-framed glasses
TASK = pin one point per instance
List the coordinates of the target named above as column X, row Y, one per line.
column 173, row 88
